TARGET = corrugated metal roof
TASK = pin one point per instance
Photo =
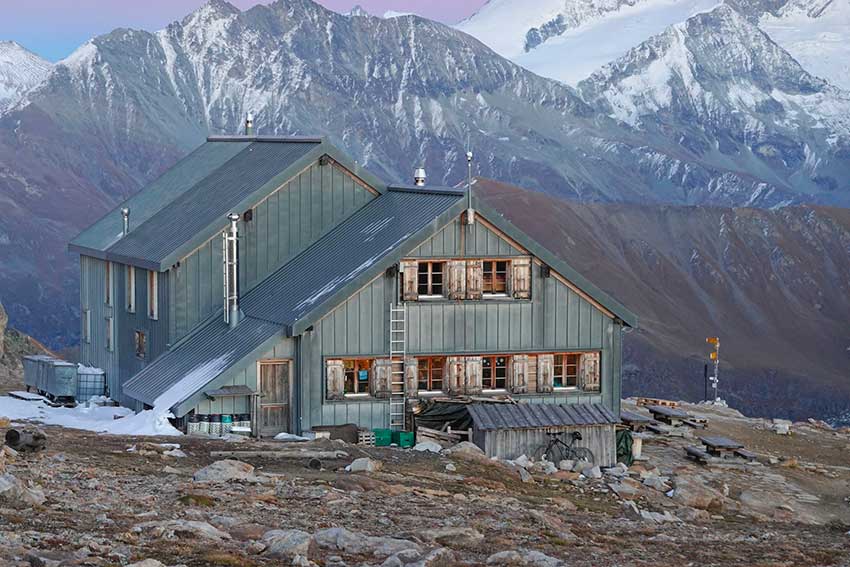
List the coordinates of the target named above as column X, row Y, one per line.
column 210, row 199
column 181, row 177
column 488, row 417
column 208, row 353
column 344, row 254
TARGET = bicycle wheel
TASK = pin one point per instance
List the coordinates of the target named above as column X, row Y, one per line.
column 543, row 451
column 583, row 454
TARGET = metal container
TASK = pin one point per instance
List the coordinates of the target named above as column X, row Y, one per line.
column 215, row 425
column 226, row 423
column 91, row 382
column 34, row 372
column 192, row 425
column 203, row 424
column 61, row 380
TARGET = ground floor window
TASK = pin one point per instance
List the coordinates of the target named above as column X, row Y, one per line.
column 358, row 375
column 566, row 370
column 494, row 372
column 431, row 373
column 141, row 344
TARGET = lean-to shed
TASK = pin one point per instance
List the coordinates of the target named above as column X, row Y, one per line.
column 510, row 430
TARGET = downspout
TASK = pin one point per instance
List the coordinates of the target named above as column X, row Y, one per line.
column 295, row 402
column 230, row 241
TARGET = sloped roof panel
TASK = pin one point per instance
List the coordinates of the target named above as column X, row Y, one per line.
column 490, row 417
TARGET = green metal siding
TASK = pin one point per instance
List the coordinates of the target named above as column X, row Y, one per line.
column 478, row 240
column 283, row 225
column 92, row 298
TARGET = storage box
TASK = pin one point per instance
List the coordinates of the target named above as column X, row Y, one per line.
column 403, row 438
column 383, row 437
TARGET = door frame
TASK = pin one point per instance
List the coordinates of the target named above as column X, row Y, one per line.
column 257, row 419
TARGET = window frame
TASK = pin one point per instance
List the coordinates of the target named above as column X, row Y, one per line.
column 493, row 386
column 564, row 365
column 358, row 366
column 429, row 284
column 153, row 295
column 139, row 334
column 430, row 367
column 494, row 272
column 110, row 280
column 110, row 334
column 86, row 324
column 131, row 289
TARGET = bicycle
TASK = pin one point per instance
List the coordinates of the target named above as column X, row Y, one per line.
column 557, row 449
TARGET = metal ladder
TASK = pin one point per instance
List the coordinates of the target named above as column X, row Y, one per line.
column 398, row 344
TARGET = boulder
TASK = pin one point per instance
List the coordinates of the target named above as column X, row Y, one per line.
column 657, row 482
column 523, row 558
column 225, row 471
column 690, row 491
column 592, row 472
column 341, row 539
column 460, row 535
column 465, row 449
column 286, row 544
column 579, row 466
column 566, row 465
column 147, row 563
column 522, row 461
column 428, row 446
column 15, row 494
column 181, row 529
column 364, row 464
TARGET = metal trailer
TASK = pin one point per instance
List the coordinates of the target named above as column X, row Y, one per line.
column 62, row 381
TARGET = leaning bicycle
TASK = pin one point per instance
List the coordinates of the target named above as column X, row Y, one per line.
column 561, row 446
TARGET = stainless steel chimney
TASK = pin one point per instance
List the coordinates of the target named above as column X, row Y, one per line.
column 249, row 124
column 419, row 177
column 230, row 258
column 125, row 214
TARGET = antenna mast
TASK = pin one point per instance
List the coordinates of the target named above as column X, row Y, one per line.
column 470, row 212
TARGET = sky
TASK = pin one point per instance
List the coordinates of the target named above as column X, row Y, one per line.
column 54, row 28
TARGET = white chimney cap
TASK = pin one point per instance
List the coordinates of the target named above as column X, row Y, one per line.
column 419, row 177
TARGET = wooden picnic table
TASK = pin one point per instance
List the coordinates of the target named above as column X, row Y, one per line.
column 719, row 446
column 635, row 421
column 669, row 415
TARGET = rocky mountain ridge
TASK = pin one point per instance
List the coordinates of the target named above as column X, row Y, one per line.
column 20, row 70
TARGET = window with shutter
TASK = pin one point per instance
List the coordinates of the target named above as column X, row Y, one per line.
column 456, row 279
column 431, row 282
column 589, row 371
column 474, row 279
column 519, row 374
column 409, row 276
column 430, row 373
column 335, row 383
column 521, row 278
column 545, row 373
column 494, row 372
column 381, row 382
column 495, row 277
column 474, row 375
column 411, row 377
column 455, row 375
column 566, row 370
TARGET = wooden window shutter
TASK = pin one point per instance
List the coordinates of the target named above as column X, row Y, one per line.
column 545, row 373
column 521, row 278
column 411, row 377
column 519, row 374
column 409, row 275
column 589, row 372
column 474, row 375
column 335, row 379
column 454, row 373
column 381, row 384
column 457, row 279
column 474, row 279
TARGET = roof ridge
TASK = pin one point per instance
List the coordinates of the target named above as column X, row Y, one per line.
column 260, row 138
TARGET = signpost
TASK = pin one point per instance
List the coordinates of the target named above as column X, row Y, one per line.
column 715, row 357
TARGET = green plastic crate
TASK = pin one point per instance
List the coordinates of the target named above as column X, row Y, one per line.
column 383, row 437
column 403, row 438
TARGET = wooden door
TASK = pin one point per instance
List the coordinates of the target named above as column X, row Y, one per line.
column 275, row 380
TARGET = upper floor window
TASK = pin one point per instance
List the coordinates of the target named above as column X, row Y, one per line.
column 131, row 289
column 495, row 277
column 153, row 299
column 494, row 372
column 565, row 374
column 430, row 279
column 141, row 344
column 430, row 373
column 108, row 283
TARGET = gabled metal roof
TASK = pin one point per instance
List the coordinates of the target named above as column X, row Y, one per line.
column 490, row 417
column 189, row 203
column 198, row 359
column 354, row 251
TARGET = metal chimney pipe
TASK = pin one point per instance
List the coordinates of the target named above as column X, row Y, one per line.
column 419, row 177
column 125, row 214
column 249, row 124
column 230, row 240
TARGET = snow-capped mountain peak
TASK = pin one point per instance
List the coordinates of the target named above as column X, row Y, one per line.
column 20, row 71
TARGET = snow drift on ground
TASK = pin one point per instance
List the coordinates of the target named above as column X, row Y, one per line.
column 91, row 417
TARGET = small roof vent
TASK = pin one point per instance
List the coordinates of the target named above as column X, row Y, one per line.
column 419, row 177
column 125, row 216
column 249, row 124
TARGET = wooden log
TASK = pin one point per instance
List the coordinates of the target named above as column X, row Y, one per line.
column 280, row 454
column 26, row 439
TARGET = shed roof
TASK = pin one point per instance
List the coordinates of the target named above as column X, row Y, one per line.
column 188, row 204
column 354, row 251
column 490, row 417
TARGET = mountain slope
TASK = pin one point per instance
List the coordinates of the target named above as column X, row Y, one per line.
column 772, row 284
column 722, row 88
column 20, row 70
column 394, row 93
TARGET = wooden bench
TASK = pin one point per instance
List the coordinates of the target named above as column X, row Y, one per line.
column 669, row 415
column 696, row 424
column 720, row 446
column 748, row 455
column 697, row 454
column 656, row 402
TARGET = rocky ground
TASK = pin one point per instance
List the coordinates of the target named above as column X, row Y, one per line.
column 92, row 499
